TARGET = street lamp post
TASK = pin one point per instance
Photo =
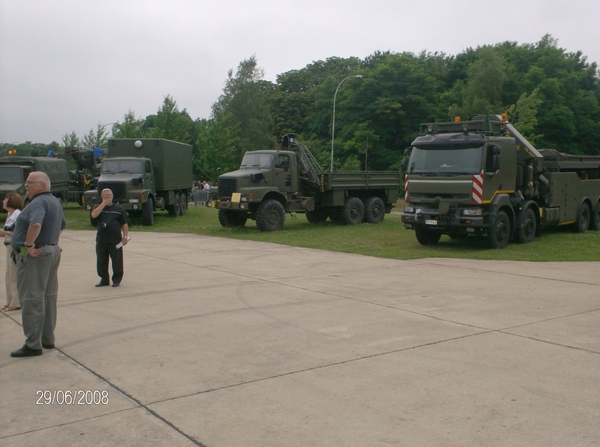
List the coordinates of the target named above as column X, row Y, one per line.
column 333, row 118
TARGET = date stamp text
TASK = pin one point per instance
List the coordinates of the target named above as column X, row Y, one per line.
column 72, row 397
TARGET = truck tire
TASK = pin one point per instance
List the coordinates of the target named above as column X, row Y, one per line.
column 499, row 233
column 583, row 219
column 148, row 213
column 595, row 218
column 374, row 210
column 270, row 216
column 232, row 219
column 526, row 231
column 353, row 211
column 318, row 215
column 425, row 236
column 184, row 203
column 175, row 209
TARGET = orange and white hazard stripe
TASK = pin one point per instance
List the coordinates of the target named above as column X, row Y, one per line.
column 477, row 190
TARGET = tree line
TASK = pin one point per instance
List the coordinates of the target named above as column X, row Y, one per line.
column 551, row 95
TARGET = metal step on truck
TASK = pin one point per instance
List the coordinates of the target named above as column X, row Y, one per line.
column 481, row 177
column 271, row 183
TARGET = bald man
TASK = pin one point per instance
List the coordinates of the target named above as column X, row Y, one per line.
column 35, row 243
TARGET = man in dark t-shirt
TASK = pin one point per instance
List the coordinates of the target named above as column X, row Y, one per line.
column 113, row 233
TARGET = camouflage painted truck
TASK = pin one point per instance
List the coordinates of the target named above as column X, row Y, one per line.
column 271, row 183
column 146, row 174
column 481, row 177
column 15, row 169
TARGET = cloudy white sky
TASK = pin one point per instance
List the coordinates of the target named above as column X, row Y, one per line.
column 68, row 65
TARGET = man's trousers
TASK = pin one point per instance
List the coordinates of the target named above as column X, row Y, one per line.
column 104, row 252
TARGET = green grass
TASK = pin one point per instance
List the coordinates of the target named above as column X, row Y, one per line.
column 387, row 240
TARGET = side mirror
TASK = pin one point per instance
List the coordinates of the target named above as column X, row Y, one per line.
column 219, row 170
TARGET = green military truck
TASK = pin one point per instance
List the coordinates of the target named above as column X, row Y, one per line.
column 15, row 169
column 481, row 177
column 145, row 175
column 271, row 183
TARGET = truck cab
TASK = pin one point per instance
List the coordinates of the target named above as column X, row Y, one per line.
column 14, row 170
column 261, row 173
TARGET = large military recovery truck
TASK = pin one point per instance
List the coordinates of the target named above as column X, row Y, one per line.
column 145, row 175
column 271, row 183
column 482, row 177
column 14, row 171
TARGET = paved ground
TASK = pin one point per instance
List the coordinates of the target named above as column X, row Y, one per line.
column 225, row 343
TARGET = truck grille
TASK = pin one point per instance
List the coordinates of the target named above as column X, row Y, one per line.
column 227, row 186
column 118, row 189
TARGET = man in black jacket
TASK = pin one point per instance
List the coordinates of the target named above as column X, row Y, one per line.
column 113, row 233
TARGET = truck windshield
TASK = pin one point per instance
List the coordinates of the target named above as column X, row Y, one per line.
column 11, row 174
column 118, row 166
column 257, row 161
column 444, row 161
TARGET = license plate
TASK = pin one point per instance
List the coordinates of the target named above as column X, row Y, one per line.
column 431, row 222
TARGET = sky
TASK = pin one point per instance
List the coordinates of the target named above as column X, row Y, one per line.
column 70, row 65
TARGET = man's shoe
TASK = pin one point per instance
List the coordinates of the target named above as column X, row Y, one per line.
column 47, row 346
column 26, row 351
column 102, row 284
column 116, row 284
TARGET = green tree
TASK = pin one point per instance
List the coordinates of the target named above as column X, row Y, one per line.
column 523, row 114
column 169, row 123
column 131, row 127
column 485, row 79
column 70, row 140
column 244, row 103
column 216, row 147
column 97, row 138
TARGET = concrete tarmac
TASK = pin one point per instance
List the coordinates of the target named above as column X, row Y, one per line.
column 225, row 343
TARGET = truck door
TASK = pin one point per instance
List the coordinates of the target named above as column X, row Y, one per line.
column 284, row 170
column 148, row 176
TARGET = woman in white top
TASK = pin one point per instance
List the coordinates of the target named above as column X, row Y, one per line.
column 13, row 204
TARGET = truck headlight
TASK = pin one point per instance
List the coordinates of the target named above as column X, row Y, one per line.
column 472, row 212
column 409, row 209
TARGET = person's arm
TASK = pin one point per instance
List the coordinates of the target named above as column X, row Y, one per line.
column 96, row 211
column 32, row 233
column 125, row 234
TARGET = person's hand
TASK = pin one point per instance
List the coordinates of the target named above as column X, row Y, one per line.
column 34, row 252
column 107, row 201
column 124, row 240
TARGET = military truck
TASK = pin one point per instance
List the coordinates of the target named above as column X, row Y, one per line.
column 145, row 175
column 271, row 183
column 15, row 169
column 481, row 177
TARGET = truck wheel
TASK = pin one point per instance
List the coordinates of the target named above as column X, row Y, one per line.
column 499, row 231
column 148, row 213
column 270, row 216
column 353, row 212
column 595, row 219
column 177, row 207
column 184, row 204
column 231, row 219
column 583, row 219
column 374, row 210
column 319, row 215
column 526, row 232
column 427, row 237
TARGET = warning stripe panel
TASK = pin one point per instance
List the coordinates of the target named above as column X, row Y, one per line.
column 477, row 190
